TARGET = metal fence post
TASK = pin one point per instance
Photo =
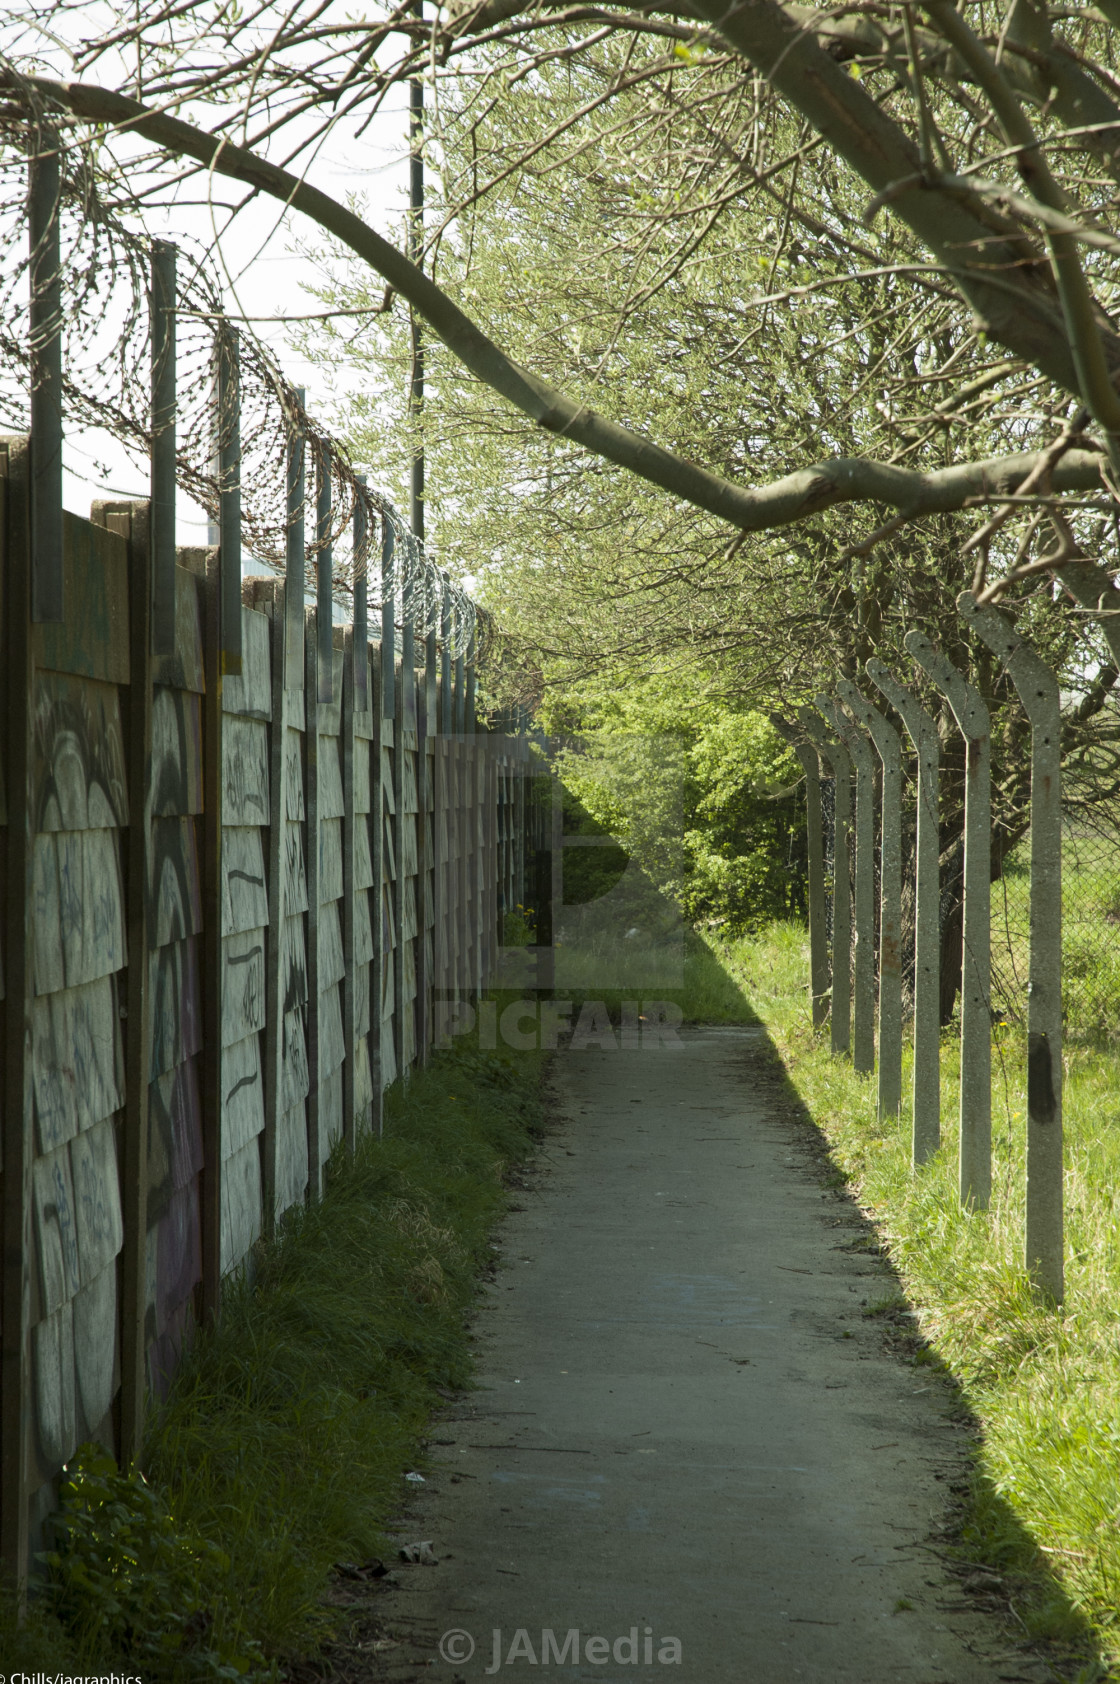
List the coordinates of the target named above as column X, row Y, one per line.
column 863, row 1014
column 927, row 905
column 324, row 579
column 446, row 722
column 361, row 597
column 229, row 496
column 295, row 547
column 163, row 469
column 885, row 738
column 818, row 944
column 1038, row 691
column 971, row 716
column 45, row 324
column 841, row 995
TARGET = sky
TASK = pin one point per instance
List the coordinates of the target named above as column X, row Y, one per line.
column 268, row 280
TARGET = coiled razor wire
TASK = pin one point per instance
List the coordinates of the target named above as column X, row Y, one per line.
column 106, row 348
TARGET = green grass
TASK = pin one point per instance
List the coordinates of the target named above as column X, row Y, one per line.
column 1044, row 1385
column 706, row 993
column 1090, row 936
column 290, row 1424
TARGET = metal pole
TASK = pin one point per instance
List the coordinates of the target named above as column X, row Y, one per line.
column 971, row 716
column 446, row 722
column 1038, row 691
column 408, row 639
column 295, row 547
column 415, row 253
column 885, row 738
column 229, row 497
column 324, row 596
column 388, row 627
column 837, row 757
column 863, row 1015
column 163, row 478
column 460, row 706
column 471, row 702
column 431, row 656
column 927, row 911
column 818, row 944
column 44, row 194
column 361, row 597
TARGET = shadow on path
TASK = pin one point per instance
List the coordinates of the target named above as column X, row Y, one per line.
column 706, row 1442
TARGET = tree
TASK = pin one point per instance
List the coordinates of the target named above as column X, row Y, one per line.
column 608, row 593
column 926, row 100
column 912, row 115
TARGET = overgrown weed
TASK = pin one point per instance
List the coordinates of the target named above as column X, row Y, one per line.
column 282, row 1446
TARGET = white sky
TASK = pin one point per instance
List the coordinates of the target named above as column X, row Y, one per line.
column 267, row 276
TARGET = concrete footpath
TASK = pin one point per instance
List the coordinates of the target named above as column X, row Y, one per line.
column 688, row 1442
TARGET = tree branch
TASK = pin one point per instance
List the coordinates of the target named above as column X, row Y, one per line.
column 797, row 496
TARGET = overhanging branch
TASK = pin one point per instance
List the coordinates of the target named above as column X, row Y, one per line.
column 797, row 496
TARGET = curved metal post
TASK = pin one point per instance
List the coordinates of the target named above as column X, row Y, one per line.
column 295, row 546
column 1038, row 691
column 863, row 1015
column 836, row 755
column 971, row 716
column 922, row 731
column 887, row 746
column 324, row 578
column 162, row 457
column 818, row 945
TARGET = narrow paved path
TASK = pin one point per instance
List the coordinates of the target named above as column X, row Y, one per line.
column 685, row 1427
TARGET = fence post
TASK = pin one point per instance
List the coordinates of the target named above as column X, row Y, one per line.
column 295, row 544
column 353, row 653
column 426, row 725
column 45, row 325
column 837, row 757
column 376, row 835
column 229, row 497
column 818, row 944
column 277, row 908
column 1038, row 691
column 863, row 1014
column 971, row 716
column 446, row 720
column 405, row 681
column 324, row 578
column 459, row 704
column 885, row 738
column 927, row 911
column 17, row 677
column 312, row 689
column 217, row 655
column 163, row 469
column 361, row 595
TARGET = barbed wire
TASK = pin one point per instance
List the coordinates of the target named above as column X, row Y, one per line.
column 105, row 331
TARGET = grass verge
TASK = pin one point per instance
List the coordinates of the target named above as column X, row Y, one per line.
column 1043, row 1384
column 290, row 1425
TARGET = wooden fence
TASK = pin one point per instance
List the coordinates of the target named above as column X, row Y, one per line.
column 230, row 910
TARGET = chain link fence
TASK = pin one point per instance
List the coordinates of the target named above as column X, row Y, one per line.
column 1090, row 932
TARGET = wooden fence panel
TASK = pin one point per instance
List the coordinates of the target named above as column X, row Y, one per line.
column 164, row 821
column 332, row 1045
column 78, row 812
column 246, row 815
column 174, row 1235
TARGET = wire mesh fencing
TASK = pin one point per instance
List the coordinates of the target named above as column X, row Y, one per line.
column 1090, row 930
